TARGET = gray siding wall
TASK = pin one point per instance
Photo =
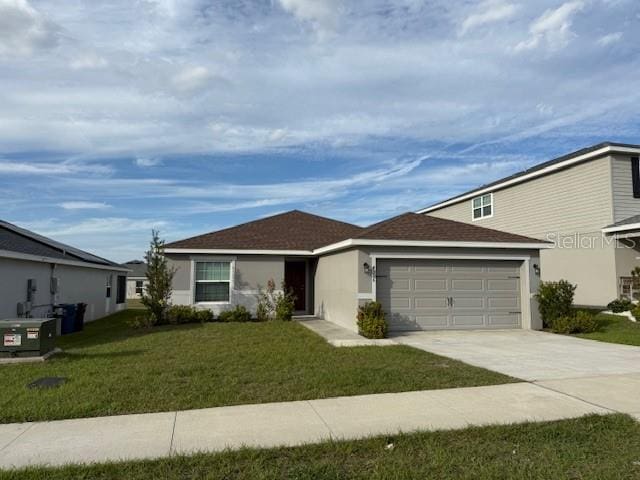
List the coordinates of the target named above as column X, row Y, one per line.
column 624, row 205
column 569, row 207
column 76, row 284
column 252, row 272
column 336, row 288
column 530, row 315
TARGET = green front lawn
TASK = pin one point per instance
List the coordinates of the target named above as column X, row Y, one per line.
column 615, row 329
column 114, row 369
column 592, row 447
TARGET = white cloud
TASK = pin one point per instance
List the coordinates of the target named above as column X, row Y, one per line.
column 107, row 225
column 609, row 39
column 148, row 161
column 23, row 29
column 553, row 27
column 80, row 205
column 51, row 168
column 488, row 12
column 88, row 61
column 192, row 78
column 323, row 14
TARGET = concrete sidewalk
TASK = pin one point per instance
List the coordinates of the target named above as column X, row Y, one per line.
column 157, row 435
column 339, row 336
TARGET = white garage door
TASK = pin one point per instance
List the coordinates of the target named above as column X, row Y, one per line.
column 449, row 294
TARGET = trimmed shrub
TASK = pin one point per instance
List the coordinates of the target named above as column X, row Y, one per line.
column 371, row 320
column 620, row 305
column 635, row 311
column 181, row 314
column 238, row 314
column 580, row 322
column 555, row 300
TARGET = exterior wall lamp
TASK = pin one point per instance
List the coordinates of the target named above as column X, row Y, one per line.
column 536, row 269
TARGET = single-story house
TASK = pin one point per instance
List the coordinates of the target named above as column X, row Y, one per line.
column 137, row 279
column 37, row 273
column 428, row 273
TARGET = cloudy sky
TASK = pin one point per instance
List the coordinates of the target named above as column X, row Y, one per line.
column 190, row 115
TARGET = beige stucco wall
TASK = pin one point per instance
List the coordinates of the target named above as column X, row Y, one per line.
column 568, row 207
column 76, row 285
column 251, row 273
column 336, row 285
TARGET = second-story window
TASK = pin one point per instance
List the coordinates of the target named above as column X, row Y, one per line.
column 482, row 206
column 635, row 176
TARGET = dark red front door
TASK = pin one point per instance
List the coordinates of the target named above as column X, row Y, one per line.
column 295, row 278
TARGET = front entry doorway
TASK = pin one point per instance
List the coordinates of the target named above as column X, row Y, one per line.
column 295, row 278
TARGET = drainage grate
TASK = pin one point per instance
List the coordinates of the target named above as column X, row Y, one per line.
column 47, row 382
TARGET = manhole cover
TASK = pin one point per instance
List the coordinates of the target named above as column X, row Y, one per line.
column 47, row 382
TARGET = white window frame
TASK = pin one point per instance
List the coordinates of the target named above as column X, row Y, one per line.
column 141, row 287
column 482, row 206
column 232, row 273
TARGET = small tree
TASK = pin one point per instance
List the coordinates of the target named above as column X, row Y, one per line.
column 157, row 293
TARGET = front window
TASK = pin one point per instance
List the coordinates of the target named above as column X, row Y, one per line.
column 213, row 281
column 109, row 281
column 139, row 287
column 482, row 206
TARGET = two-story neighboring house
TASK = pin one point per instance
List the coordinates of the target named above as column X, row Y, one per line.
column 587, row 203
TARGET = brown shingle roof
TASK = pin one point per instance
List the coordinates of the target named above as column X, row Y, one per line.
column 294, row 230
column 413, row 226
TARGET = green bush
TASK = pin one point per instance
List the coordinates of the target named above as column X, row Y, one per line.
column 555, row 300
column 580, row 322
column 620, row 305
column 285, row 305
column 181, row 314
column 371, row 320
column 238, row 314
column 635, row 311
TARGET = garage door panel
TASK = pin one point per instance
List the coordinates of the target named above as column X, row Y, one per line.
column 415, row 295
column 398, row 302
column 504, row 269
column 426, row 268
column 504, row 302
column 431, row 285
column 469, row 302
column 431, row 302
column 463, row 267
column 401, row 284
column 460, row 285
column 432, row 321
column 459, row 320
column 507, row 320
column 503, row 285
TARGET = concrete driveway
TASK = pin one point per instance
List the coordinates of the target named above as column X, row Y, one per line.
column 529, row 355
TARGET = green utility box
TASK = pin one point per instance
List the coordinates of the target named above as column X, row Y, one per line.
column 27, row 337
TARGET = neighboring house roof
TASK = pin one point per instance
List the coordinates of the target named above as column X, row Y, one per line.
column 540, row 169
column 20, row 242
column 302, row 233
column 630, row 223
column 138, row 268
column 290, row 231
column 413, row 226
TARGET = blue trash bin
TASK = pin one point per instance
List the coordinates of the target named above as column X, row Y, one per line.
column 68, row 321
